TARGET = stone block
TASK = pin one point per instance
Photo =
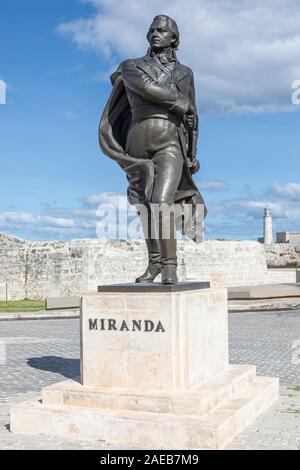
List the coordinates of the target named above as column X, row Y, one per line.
column 268, row 291
column 57, row 303
column 176, row 342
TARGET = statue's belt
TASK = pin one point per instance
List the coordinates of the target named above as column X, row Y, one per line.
column 142, row 113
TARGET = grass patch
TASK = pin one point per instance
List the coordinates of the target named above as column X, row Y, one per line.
column 296, row 388
column 22, row 306
column 293, row 410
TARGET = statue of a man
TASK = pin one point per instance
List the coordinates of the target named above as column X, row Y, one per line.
column 150, row 127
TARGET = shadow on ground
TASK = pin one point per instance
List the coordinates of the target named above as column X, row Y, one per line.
column 69, row 368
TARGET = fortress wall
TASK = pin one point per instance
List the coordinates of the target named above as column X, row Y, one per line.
column 12, row 267
column 46, row 269
column 283, row 255
column 226, row 263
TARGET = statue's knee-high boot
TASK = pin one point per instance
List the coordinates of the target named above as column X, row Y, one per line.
column 168, row 261
column 154, row 267
column 168, row 250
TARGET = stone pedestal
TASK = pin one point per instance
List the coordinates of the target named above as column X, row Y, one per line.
column 154, row 373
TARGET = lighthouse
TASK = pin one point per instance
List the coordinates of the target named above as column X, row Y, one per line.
column 268, row 230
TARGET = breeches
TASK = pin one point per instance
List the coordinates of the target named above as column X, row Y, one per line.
column 157, row 139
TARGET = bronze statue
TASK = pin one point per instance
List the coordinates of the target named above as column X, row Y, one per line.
column 150, row 127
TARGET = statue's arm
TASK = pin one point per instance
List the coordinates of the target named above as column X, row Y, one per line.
column 192, row 99
column 193, row 121
column 141, row 83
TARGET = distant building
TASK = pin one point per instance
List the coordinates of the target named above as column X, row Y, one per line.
column 293, row 238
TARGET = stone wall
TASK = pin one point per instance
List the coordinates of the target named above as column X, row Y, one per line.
column 283, row 255
column 13, row 252
column 293, row 238
column 56, row 268
column 281, row 275
column 226, row 263
column 45, row 269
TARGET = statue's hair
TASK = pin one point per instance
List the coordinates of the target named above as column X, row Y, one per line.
column 172, row 25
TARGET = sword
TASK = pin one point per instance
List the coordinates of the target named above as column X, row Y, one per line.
column 192, row 146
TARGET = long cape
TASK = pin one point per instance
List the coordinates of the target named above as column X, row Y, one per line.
column 113, row 130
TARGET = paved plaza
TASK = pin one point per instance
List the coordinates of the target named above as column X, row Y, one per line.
column 38, row 353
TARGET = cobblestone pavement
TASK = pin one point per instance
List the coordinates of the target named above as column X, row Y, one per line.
column 271, row 341
column 38, row 353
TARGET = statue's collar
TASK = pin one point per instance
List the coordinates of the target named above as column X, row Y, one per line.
column 179, row 72
column 169, row 55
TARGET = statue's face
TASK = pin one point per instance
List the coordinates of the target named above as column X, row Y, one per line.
column 160, row 35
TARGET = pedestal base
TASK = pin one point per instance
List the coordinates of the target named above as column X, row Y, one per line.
column 154, row 373
column 205, row 418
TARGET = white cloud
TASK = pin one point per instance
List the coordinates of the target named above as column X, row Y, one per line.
column 245, row 54
column 213, row 185
column 283, row 201
column 288, row 191
column 66, row 223
column 7, row 218
column 239, row 217
column 69, row 115
column 103, row 198
column 3, row 88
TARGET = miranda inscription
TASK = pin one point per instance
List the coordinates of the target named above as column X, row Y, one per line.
column 110, row 324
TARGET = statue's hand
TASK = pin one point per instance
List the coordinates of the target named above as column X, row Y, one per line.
column 191, row 120
column 194, row 166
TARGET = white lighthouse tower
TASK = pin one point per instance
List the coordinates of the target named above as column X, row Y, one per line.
column 268, row 229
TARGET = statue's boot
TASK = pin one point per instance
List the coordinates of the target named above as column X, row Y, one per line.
column 153, row 268
column 168, row 248
column 168, row 252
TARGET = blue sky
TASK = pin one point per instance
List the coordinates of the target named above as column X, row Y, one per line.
column 56, row 57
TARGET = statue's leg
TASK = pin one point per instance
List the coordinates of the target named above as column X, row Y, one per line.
column 157, row 139
column 138, row 142
column 169, row 164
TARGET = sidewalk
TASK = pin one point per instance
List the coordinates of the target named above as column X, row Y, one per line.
column 42, row 315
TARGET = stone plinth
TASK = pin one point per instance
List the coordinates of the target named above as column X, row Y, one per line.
column 154, row 373
column 154, row 341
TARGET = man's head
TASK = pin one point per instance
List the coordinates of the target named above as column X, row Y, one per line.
column 163, row 33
